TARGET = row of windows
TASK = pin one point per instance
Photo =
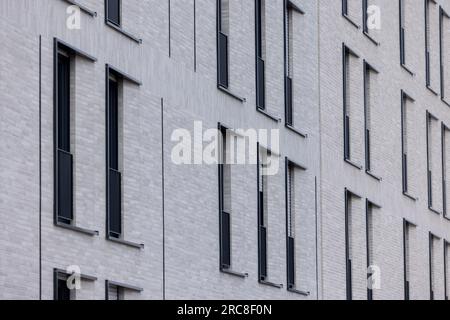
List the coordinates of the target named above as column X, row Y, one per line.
column 359, row 254
column 227, row 176
column 410, row 246
column 357, row 122
column 63, row 135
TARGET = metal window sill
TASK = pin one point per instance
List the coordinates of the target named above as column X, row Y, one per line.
column 406, row 194
column 371, row 38
column 231, row 94
column 445, row 101
column 300, row 292
column 374, row 176
column 127, row 243
column 353, row 23
column 432, row 90
column 77, row 229
column 82, row 8
column 234, row 273
column 271, row 284
column 350, row 162
column 434, row 210
column 304, row 135
column 407, row 69
column 125, row 33
column 272, row 117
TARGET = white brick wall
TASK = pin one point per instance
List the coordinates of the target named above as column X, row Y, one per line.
column 186, row 257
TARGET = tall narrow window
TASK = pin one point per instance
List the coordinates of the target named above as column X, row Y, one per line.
column 351, row 245
column 223, row 18
column 371, row 269
column 446, row 279
column 64, row 185
column 431, row 44
column 433, row 241
column 113, row 11
column 445, row 131
column 351, row 10
column 260, row 20
column 62, row 291
column 369, row 73
column 114, row 152
column 225, row 206
column 407, row 239
column 114, row 145
column 351, row 99
column 371, row 15
column 290, row 10
column 293, row 171
column 263, row 168
column 404, row 11
column 444, row 36
column 262, row 213
column 64, row 84
column 405, row 124
column 433, row 148
column 228, row 142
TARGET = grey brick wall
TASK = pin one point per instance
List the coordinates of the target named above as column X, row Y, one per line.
column 173, row 209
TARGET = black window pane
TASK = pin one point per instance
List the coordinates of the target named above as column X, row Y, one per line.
column 260, row 85
column 65, row 184
column 263, row 253
column 63, row 290
column 223, row 60
column 113, row 125
column 291, row 262
column 289, row 115
column 113, row 11
column 115, row 204
column 63, row 102
column 226, row 241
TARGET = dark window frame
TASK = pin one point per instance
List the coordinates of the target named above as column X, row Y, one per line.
column 222, row 40
column 429, row 118
column 427, row 45
column 344, row 13
column 348, row 195
column 225, row 253
column 290, row 239
column 446, row 245
column 119, row 14
column 259, row 59
column 367, row 68
column 366, row 32
column 120, row 77
column 370, row 206
column 262, row 225
column 61, row 48
column 118, row 26
column 431, row 238
column 442, row 14
column 347, row 52
column 444, row 131
column 289, row 8
column 407, row 225
column 121, row 289
column 59, row 274
column 402, row 31
column 404, row 135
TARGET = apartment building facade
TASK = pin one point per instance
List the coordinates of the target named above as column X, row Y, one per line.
column 96, row 96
